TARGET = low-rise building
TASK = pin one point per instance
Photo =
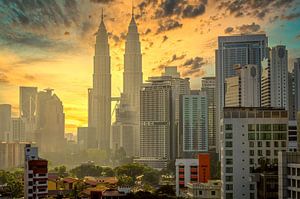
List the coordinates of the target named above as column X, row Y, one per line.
column 209, row 190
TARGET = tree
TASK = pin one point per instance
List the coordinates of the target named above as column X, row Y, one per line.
column 125, row 181
column 151, row 176
column 165, row 190
column 107, row 172
column 61, row 170
column 14, row 183
column 87, row 169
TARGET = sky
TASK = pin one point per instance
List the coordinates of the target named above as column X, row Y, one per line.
column 50, row 43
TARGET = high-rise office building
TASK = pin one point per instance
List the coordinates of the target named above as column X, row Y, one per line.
column 5, row 117
column 180, row 86
column 232, row 50
column 293, row 92
column 279, row 77
column 243, row 90
column 86, row 138
column 209, row 86
column 50, row 122
column 266, row 83
column 194, row 124
column 126, row 128
column 156, row 122
column 28, row 102
column 296, row 72
column 99, row 115
column 35, row 174
column 18, row 130
column 249, row 134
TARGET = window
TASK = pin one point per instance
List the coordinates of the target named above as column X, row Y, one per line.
column 229, row 187
column 228, row 127
column 229, row 195
column 268, row 152
column 228, row 178
column 229, row 161
column 213, row 193
column 228, row 144
column 259, row 144
column 251, row 144
column 268, row 144
column 259, row 152
column 252, row 187
column 228, row 152
column 251, row 136
column 265, row 127
column 251, row 161
column 251, row 152
column 200, row 193
column 275, row 144
column 228, row 135
column 251, row 127
column 283, row 144
column 229, row 169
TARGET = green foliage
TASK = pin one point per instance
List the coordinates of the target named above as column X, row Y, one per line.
column 133, row 170
column 108, row 172
column 61, row 170
column 87, row 169
column 166, row 190
column 14, row 183
column 125, row 181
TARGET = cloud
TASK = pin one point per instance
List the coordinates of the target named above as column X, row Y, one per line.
column 173, row 59
column 229, row 30
column 167, row 25
column 165, row 38
column 291, row 16
column 102, row 1
column 3, row 78
column 193, row 11
column 192, row 67
column 180, row 8
column 256, row 8
column 248, row 28
column 147, row 31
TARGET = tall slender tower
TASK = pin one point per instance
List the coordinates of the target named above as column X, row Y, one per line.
column 100, row 95
column 132, row 76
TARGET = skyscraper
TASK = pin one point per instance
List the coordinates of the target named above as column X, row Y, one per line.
column 209, row 86
column 232, row 50
column 194, row 123
column 5, row 117
column 18, row 130
column 126, row 128
column 50, row 122
column 100, row 95
column 294, row 93
column 27, row 102
column 243, row 90
column 279, row 77
column 180, row 86
column 156, row 122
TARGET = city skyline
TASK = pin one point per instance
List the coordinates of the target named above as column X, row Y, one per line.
column 36, row 57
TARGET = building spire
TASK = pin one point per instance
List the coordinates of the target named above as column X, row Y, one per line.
column 102, row 15
column 132, row 9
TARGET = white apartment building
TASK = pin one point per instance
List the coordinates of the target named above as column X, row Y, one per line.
column 247, row 135
column 194, row 123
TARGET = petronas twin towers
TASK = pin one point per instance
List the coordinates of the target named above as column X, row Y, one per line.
column 99, row 110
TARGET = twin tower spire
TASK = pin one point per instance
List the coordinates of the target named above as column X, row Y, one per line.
column 99, row 108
